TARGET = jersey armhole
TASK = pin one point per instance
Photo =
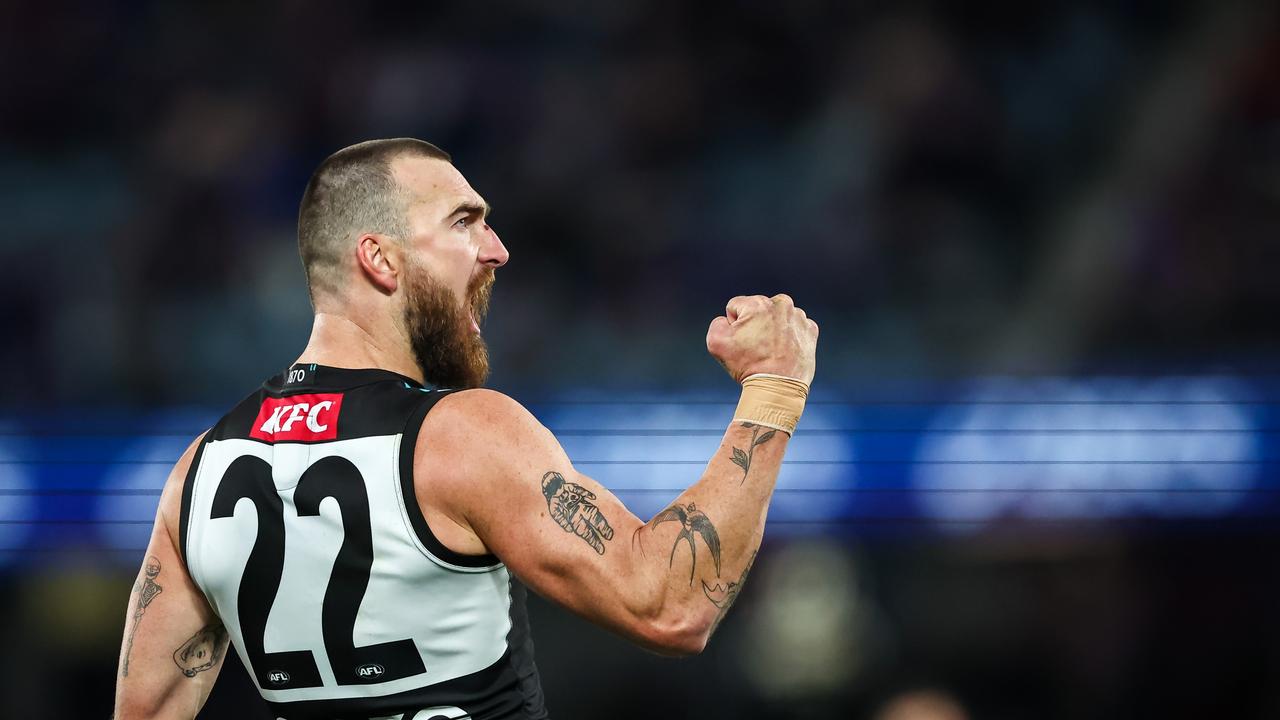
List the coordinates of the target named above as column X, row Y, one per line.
column 408, row 448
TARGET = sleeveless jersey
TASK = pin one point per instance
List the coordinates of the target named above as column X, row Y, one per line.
column 300, row 523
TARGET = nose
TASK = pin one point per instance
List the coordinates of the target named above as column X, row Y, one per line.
column 492, row 252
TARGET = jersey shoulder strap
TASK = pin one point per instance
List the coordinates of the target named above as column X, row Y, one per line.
column 412, row 505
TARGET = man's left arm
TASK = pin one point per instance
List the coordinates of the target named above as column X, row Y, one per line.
column 173, row 643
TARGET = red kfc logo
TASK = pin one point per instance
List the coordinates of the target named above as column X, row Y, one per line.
column 298, row 417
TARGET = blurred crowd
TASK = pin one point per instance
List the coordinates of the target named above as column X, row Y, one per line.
column 949, row 189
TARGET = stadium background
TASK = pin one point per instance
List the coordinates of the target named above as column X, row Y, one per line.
column 1039, row 478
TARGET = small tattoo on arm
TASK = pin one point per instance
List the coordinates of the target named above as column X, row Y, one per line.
column 692, row 522
column 743, row 459
column 571, row 507
column 722, row 596
column 202, row 651
column 147, row 589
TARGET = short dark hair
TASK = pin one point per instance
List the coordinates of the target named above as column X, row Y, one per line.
column 352, row 192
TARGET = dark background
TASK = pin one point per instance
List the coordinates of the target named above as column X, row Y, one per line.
column 995, row 212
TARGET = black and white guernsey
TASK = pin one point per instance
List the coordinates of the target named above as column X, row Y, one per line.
column 301, row 525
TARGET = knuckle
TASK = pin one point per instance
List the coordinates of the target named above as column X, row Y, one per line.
column 784, row 299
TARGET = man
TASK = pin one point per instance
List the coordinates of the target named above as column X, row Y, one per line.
column 357, row 535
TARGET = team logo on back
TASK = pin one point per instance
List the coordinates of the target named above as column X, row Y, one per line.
column 298, row 417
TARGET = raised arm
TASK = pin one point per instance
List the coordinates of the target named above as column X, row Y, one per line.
column 173, row 644
column 493, row 479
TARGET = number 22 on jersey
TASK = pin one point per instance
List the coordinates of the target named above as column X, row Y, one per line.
column 249, row 478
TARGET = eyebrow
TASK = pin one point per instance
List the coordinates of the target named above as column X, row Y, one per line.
column 483, row 208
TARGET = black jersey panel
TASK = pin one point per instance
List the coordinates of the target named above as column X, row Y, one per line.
column 490, row 694
column 520, row 640
column 372, row 403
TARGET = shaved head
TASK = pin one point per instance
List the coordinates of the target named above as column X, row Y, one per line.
column 352, row 192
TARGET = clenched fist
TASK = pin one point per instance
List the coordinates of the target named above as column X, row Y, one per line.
column 764, row 335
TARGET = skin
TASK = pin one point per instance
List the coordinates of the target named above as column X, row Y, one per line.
column 482, row 460
column 155, row 686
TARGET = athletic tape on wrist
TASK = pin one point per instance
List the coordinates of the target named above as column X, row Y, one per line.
column 774, row 401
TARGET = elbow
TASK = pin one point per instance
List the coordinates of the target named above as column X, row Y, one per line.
column 688, row 644
column 131, row 709
column 132, row 703
column 681, row 635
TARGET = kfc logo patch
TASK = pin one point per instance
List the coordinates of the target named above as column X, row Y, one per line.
column 298, row 417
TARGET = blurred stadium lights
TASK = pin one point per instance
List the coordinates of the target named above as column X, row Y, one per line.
column 1033, row 451
column 17, row 503
column 1091, row 449
column 131, row 489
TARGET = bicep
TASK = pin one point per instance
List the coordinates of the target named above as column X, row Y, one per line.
column 562, row 533
column 572, row 541
column 173, row 643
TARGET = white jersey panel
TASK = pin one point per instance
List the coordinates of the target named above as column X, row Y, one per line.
column 458, row 619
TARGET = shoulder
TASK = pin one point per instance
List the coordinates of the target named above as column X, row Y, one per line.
column 178, row 475
column 171, row 496
column 472, row 452
column 477, row 440
column 480, row 418
column 481, row 403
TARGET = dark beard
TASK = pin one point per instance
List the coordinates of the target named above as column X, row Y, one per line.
column 449, row 352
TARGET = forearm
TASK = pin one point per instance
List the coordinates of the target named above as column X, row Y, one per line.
column 701, row 547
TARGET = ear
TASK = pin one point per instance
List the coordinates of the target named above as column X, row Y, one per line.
column 379, row 260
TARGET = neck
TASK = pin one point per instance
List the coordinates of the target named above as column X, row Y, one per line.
column 340, row 341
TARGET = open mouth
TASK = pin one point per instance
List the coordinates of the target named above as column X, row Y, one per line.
column 478, row 299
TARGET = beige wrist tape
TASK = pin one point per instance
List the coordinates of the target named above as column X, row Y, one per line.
column 773, row 401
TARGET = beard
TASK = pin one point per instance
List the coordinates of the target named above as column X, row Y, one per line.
column 449, row 352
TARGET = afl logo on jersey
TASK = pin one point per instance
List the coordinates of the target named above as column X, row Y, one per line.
column 298, row 417
column 370, row 671
column 278, row 677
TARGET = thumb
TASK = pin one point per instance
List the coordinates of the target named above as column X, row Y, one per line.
column 717, row 333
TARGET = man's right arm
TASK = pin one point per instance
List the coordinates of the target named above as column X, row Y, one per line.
column 495, row 480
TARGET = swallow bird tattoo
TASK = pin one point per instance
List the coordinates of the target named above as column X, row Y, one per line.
column 692, row 522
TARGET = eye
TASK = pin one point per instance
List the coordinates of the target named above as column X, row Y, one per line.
column 462, row 222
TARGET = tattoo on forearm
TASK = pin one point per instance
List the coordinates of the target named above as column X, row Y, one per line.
column 202, row 651
column 571, row 507
column 692, row 522
column 722, row 596
column 743, row 459
column 147, row 589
